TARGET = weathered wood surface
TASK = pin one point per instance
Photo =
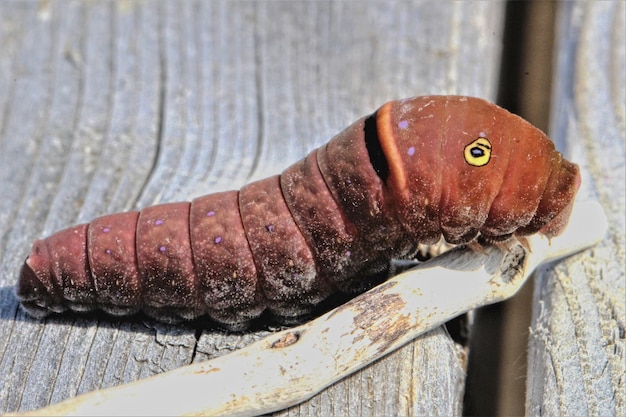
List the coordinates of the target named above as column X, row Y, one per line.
column 109, row 106
column 577, row 343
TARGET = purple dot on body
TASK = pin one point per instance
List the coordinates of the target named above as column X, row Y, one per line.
column 348, row 253
column 270, row 227
column 108, row 251
column 403, row 124
column 158, row 222
column 218, row 239
column 106, row 229
column 210, row 213
column 482, row 134
column 162, row 249
column 411, row 151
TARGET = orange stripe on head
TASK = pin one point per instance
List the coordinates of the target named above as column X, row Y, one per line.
column 389, row 146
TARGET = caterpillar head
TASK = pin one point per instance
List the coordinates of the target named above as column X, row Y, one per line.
column 463, row 166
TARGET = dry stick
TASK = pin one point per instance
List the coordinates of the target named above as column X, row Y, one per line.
column 293, row 365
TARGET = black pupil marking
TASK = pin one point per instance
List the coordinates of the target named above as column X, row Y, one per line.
column 477, row 152
column 374, row 150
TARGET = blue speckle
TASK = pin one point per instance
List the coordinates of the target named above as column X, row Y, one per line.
column 218, row 239
column 403, row 124
column 411, row 151
column 158, row 222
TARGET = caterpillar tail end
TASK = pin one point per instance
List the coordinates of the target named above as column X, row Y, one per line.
column 35, row 288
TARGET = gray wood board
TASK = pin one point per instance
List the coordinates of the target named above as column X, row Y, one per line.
column 110, row 106
column 577, row 342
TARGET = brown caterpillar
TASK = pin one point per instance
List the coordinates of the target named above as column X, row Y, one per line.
column 414, row 170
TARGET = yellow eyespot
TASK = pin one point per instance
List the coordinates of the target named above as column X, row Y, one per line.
column 478, row 152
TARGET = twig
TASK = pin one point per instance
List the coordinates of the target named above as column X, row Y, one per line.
column 293, row 365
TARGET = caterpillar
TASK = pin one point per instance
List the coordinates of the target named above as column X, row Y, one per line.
column 413, row 171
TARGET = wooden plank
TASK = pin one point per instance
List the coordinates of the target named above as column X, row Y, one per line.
column 577, row 341
column 108, row 106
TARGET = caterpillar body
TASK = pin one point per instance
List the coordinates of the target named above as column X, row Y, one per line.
column 415, row 170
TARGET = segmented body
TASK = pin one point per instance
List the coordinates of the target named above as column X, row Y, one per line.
column 413, row 171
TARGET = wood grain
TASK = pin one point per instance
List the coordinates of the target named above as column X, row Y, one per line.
column 108, row 106
column 577, row 338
